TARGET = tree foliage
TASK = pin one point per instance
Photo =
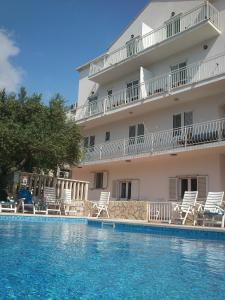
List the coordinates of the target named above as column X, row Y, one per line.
column 35, row 135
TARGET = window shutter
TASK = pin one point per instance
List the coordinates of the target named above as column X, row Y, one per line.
column 105, row 180
column 135, row 190
column 188, row 118
column 173, row 189
column 115, row 184
column 140, row 129
column 202, row 184
column 92, row 180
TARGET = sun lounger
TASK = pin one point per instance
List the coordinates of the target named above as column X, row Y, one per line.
column 187, row 207
column 102, row 204
column 8, row 206
column 212, row 212
column 71, row 206
column 52, row 203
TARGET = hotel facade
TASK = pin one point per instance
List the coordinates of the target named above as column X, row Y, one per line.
column 152, row 107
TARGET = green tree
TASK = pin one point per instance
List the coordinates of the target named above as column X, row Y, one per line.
column 34, row 135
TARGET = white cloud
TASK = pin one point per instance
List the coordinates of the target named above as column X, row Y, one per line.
column 10, row 75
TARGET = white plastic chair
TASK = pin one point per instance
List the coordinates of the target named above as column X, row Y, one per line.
column 70, row 205
column 187, row 207
column 102, row 204
column 53, row 204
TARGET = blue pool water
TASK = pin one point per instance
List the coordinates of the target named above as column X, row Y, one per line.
column 41, row 260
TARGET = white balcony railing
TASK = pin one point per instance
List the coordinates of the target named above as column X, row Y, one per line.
column 176, row 25
column 159, row 142
column 165, row 83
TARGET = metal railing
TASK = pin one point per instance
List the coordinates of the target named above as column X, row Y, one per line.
column 166, row 83
column 174, row 26
column 158, row 142
column 160, row 211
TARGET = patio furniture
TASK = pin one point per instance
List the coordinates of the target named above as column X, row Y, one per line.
column 40, row 206
column 102, row 204
column 25, row 201
column 71, row 206
column 25, row 207
column 187, row 207
column 212, row 212
column 8, row 206
column 52, row 203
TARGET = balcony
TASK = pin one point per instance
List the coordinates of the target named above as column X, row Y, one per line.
column 178, row 34
column 190, row 77
column 188, row 138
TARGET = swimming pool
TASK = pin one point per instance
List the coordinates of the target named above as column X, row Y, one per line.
column 74, row 260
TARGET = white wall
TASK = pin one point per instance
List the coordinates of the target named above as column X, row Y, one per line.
column 154, row 15
column 204, row 109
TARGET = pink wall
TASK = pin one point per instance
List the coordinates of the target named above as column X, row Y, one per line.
column 153, row 173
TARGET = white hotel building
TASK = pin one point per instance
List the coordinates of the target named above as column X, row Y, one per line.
column 152, row 107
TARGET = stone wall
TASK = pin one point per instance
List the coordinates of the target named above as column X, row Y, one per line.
column 133, row 210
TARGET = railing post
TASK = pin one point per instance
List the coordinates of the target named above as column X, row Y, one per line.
column 207, row 10
column 104, row 105
column 169, row 83
column 86, row 192
column 124, row 147
column 152, row 143
column 100, row 153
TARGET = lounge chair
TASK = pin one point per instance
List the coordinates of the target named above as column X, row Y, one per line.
column 25, row 207
column 102, row 204
column 70, row 205
column 212, row 212
column 187, row 207
column 8, row 206
column 52, row 203
column 25, row 201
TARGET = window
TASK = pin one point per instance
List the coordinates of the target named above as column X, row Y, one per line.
column 92, row 104
column 86, row 142
column 132, row 91
column 127, row 189
column 89, row 142
column 107, row 136
column 178, row 74
column 98, row 180
column 173, row 26
column 180, row 120
column 109, row 92
column 64, row 173
column 187, row 184
column 179, row 185
column 136, row 134
column 132, row 46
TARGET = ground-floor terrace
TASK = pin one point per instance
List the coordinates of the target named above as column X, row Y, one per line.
column 160, row 178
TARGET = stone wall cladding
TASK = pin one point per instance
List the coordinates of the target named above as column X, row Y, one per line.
column 132, row 210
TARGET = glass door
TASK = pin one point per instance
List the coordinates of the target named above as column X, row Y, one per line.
column 178, row 74
column 173, row 27
column 132, row 91
column 125, row 190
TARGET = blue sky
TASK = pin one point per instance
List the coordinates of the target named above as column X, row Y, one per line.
column 47, row 39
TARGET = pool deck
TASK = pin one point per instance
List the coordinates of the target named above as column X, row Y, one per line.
column 122, row 221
